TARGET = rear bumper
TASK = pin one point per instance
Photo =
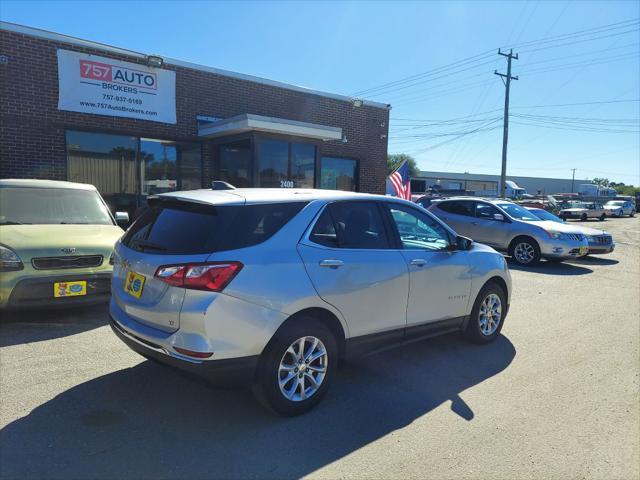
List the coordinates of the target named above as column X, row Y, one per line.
column 38, row 291
column 227, row 372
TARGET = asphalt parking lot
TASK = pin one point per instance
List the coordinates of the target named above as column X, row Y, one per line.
column 557, row 396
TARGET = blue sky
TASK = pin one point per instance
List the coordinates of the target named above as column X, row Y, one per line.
column 351, row 47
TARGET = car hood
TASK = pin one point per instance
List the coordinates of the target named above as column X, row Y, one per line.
column 612, row 207
column 551, row 226
column 49, row 240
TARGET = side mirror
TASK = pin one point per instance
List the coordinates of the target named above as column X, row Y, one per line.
column 463, row 243
column 498, row 217
column 122, row 218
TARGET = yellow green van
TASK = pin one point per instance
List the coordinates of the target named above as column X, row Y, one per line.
column 56, row 241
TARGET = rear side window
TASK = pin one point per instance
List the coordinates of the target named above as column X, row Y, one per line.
column 172, row 228
column 355, row 225
column 458, row 207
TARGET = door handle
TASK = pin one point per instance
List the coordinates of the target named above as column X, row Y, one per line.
column 331, row 263
column 419, row 262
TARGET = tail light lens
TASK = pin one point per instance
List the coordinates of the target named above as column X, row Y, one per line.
column 213, row 277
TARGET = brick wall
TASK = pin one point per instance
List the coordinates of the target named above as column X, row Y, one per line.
column 32, row 141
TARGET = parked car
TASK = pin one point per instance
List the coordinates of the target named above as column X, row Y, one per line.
column 273, row 288
column 583, row 211
column 511, row 228
column 618, row 208
column 56, row 239
column 599, row 240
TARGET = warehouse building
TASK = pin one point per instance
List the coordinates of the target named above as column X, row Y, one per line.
column 135, row 124
column 482, row 184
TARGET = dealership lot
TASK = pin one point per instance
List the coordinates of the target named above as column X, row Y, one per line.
column 556, row 396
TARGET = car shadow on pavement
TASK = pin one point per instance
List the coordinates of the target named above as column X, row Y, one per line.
column 35, row 325
column 591, row 260
column 152, row 422
column 551, row 268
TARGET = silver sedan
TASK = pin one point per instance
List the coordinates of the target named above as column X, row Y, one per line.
column 273, row 288
column 511, row 228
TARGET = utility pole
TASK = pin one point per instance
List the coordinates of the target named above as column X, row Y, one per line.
column 573, row 178
column 505, row 133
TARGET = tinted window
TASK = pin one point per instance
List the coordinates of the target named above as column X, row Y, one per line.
column 40, row 206
column 418, row 230
column 338, row 173
column 236, row 163
column 274, row 162
column 324, row 231
column 486, row 211
column 458, row 207
column 187, row 228
column 356, row 225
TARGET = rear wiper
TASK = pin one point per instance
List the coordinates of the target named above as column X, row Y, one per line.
column 148, row 245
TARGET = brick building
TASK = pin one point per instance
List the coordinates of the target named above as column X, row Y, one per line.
column 135, row 124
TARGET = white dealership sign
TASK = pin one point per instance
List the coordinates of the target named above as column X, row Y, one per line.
column 92, row 84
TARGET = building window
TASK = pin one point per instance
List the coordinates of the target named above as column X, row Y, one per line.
column 338, row 174
column 159, row 166
column 236, row 163
column 122, row 167
column 284, row 164
column 303, row 164
column 273, row 156
column 106, row 161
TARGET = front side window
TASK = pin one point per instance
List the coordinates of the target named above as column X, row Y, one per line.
column 458, row 207
column 353, row 225
column 486, row 211
column 417, row 230
column 45, row 206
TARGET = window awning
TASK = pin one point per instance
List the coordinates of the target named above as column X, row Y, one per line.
column 249, row 122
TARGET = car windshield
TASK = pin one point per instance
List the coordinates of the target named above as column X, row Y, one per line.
column 45, row 206
column 518, row 212
column 544, row 215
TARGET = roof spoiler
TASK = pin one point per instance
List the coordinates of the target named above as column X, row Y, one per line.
column 221, row 185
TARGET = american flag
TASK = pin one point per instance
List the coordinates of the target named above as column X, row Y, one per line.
column 401, row 181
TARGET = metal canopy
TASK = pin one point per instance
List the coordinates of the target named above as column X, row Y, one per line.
column 249, row 122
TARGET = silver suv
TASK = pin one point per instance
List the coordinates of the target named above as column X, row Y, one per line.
column 273, row 288
column 511, row 228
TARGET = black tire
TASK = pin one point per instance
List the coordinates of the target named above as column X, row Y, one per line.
column 473, row 331
column 526, row 241
column 583, row 217
column 602, row 217
column 633, row 213
column 266, row 383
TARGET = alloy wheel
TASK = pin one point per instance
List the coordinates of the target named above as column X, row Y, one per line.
column 302, row 368
column 524, row 252
column 490, row 314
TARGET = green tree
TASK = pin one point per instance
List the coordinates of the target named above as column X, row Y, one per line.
column 394, row 160
column 603, row 182
column 623, row 189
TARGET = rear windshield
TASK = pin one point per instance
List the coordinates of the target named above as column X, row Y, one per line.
column 43, row 206
column 190, row 229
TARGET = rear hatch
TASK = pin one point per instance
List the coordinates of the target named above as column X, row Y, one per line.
column 179, row 231
column 170, row 232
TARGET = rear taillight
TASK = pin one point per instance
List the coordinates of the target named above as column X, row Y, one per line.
column 213, row 277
